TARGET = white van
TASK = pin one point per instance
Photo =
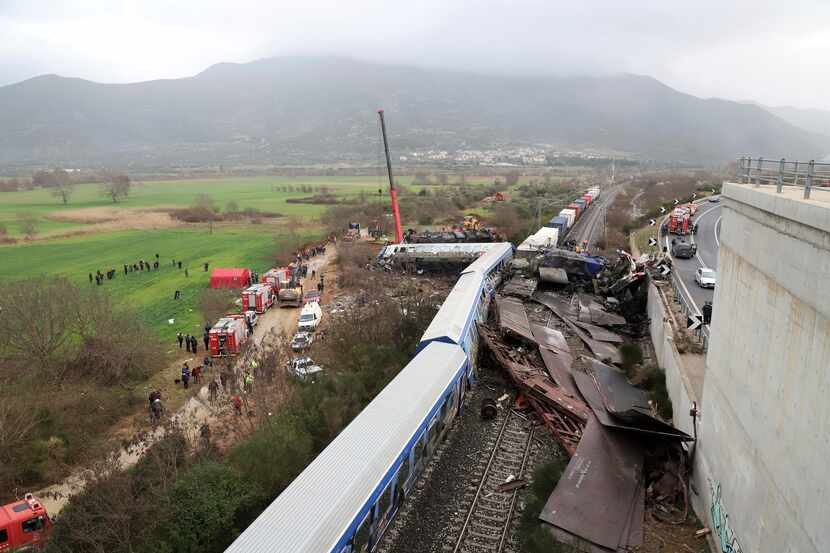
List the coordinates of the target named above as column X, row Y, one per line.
column 310, row 317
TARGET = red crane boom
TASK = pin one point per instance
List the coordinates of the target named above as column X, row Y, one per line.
column 392, row 192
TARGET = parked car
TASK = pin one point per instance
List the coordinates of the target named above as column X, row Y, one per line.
column 683, row 250
column 304, row 368
column 301, row 341
column 706, row 278
column 714, row 199
column 310, row 317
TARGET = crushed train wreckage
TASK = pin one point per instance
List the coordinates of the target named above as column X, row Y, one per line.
column 564, row 369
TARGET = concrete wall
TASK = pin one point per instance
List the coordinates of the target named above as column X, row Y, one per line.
column 682, row 395
column 764, row 436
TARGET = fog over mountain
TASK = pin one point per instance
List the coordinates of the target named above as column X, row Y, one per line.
column 301, row 109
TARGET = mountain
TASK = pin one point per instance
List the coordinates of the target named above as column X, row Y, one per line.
column 809, row 119
column 304, row 110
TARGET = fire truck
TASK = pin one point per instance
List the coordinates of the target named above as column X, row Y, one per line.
column 680, row 221
column 24, row 525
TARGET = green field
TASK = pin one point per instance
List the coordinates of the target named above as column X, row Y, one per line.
column 150, row 294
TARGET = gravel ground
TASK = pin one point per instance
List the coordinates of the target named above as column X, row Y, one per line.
column 427, row 521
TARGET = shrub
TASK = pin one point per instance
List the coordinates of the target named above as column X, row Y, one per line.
column 211, row 505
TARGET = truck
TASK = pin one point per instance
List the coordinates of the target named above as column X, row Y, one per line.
column 310, row 317
column 24, row 525
column 291, row 291
column 259, row 298
column 227, row 336
column 680, row 221
column 275, row 277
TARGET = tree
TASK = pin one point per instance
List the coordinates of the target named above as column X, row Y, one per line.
column 35, row 322
column 117, row 187
column 28, row 224
column 512, row 178
column 204, row 201
column 231, row 207
column 62, row 187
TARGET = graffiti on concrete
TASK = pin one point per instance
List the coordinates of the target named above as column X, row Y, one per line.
column 720, row 519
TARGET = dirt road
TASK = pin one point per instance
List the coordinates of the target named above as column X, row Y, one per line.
column 197, row 409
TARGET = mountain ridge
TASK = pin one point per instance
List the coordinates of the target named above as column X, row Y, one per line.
column 322, row 109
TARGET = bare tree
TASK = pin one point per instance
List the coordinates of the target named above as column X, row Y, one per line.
column 63, row 191
column 117, row 187
column 28, row 224
column 35, row 322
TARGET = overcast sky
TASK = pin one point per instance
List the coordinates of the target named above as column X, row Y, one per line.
column 772, row 52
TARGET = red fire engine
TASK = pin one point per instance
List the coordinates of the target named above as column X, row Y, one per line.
column 228, row 335
column 24, row 525
column 259, row 298
column 680, row 221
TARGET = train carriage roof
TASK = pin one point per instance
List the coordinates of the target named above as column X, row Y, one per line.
column 498, row 253
column 317, row 508
column 457, row 312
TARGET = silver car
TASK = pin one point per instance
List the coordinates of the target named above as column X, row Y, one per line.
column 304, row 368
column 706, row 278
column 301, row 341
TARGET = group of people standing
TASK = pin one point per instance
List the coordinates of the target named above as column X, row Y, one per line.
column 192, row 343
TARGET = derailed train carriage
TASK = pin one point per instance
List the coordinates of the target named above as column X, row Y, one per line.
column 345, row 499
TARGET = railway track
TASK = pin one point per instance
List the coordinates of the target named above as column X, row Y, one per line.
column 485, row 527
column 590, row 226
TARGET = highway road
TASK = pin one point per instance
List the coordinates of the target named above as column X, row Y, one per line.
column 708, row 219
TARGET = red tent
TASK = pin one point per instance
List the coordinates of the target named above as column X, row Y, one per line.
column 230, row 278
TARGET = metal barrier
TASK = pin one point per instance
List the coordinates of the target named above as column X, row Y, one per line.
column 688, row 311
column 781, row 173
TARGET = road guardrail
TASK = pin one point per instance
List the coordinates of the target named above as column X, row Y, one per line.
column 780, row 173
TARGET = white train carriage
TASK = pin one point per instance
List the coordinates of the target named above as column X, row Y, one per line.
column 467, row 304
column 345, row 499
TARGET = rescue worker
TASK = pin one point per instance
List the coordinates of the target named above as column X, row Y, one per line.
column 180, row 338
column 197, row 373
column 155, row 406
column 125, row 269
column 206, row 340
column 194, row 344
column 213, row 390
column 185, row 375
column 179, row 264
column 90, row 278
column 185, row 272
column 206, row 266
column 187, row 343
column 237, row 404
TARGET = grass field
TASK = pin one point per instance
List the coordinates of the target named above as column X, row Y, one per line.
column 248, row 192
column 150, row 294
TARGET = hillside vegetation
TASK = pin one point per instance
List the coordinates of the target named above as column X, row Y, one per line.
column 306, row 110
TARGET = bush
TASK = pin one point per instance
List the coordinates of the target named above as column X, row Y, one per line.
column 211, row 504
column 276, row 453
column 631, row 355
column 534, row 537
